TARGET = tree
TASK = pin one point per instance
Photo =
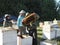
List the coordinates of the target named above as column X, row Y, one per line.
column 58, row 9
column 48, row 10
column 45, row 8
column 11, row 7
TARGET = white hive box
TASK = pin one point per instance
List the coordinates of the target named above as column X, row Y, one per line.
column 25, row 41
column 48, row 42
column 57, row 30
column 48, row 33
column 51, row 31
column 8, row 36
column 58, row 33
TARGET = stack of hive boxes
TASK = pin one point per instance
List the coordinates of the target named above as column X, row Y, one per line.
column 50, row 31
column 8, row 36
column 27, row 40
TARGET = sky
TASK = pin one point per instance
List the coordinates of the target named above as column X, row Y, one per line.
column 56, row 0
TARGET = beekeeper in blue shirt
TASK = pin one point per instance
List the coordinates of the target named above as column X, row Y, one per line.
column 21, row 27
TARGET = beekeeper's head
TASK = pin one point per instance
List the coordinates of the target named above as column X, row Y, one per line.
column 22, row 12
column 6, row 15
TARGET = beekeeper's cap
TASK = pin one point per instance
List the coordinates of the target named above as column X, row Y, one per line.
column 6, row 15
column 22, row 11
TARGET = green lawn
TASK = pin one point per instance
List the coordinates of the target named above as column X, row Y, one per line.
column 39, row 32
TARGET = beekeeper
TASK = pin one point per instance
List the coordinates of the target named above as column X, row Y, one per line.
column 7, row 21
column 21, row 27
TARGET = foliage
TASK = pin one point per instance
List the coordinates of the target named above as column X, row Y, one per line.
column 10, row 6
column 45, row 8
column 48, row 9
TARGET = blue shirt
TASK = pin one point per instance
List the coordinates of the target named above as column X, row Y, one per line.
column 19, row 20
